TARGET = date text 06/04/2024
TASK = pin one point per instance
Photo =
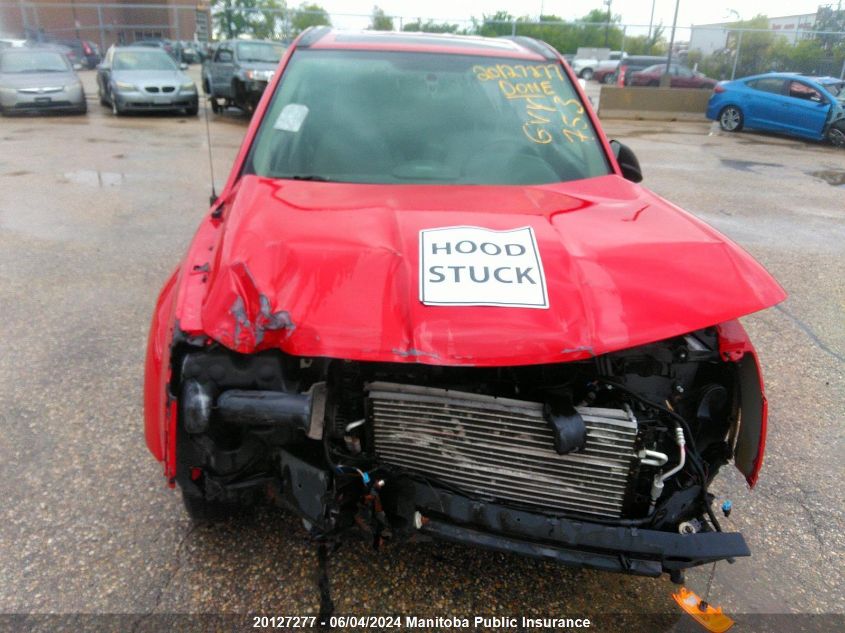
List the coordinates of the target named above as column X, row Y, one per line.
column 416, row 622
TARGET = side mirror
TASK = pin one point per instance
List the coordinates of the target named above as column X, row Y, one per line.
column 628, row 162
column 183, row 66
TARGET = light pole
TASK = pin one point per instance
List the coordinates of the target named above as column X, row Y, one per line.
column 651, row 21
column 666, row 79
column 607, row 23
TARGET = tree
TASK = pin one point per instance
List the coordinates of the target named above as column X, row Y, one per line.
column 830, row 19
column 260, row 19
column 308, row 15
column 380, row 20
column 430, row 26
column 753, row 48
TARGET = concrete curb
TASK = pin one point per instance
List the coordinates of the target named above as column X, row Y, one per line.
column 653, row 104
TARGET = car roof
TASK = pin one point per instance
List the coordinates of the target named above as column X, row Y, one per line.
column 139, row 49
column 824, row 81
column 250, row 41
column 518, row 47
column 24, row 50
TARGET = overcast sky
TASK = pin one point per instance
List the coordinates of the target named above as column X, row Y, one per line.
column 631, row 11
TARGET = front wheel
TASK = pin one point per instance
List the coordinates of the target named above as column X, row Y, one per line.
column 586, row 74
column 836, row 135
column 116, row 110
column 730, row 119
column 610, row 78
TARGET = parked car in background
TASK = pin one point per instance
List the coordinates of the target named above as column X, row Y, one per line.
column 679, row 77
column 67, row 51
column 584, row 67
column 605, row 72
column 11, row 42
column 86, row 52
column 188, row 52
column 39, row 79
column 142, row 78
column 238, row 72
column 529, row 383
column 154, row 42
column 787, row 103
column 634, row 63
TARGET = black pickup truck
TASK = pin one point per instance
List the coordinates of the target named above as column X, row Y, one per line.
column 238, row 72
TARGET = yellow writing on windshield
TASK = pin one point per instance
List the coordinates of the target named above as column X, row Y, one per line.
column 518, row 71
column 547, row 114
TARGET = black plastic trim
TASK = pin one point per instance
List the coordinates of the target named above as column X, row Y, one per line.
column 581, row 543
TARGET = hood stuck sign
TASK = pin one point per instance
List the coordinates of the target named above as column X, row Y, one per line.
column 473, row 266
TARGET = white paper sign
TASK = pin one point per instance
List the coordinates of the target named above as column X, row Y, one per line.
column 472, row 266
column 291, row 117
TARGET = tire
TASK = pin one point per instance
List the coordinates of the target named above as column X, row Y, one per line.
column 201, row 510
column 215, row 106
column 206, row 86
column 654, row 84
column 586, row 74
column 116, row 110
column 609, row 78
column 836, row 134
column 730, row 119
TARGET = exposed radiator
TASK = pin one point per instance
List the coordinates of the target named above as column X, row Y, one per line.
column 504, row 449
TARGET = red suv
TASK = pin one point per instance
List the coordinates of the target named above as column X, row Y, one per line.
column 432, row 299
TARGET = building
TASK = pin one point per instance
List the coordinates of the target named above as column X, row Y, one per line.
column 709, row 38
column 107, row 23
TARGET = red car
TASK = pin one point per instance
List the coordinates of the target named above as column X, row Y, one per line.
column 681, row 77
column 431, row 298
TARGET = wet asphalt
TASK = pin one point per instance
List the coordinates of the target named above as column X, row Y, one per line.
column 96, row 211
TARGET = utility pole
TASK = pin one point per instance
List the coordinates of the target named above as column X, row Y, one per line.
column 666, row 79
column 607, row 23
column 651, row 19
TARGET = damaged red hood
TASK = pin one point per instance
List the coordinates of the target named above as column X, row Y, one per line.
column 566, row 271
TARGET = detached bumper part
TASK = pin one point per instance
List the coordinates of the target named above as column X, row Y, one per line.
column 583, row 544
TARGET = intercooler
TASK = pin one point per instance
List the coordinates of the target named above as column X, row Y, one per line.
column 503, row 449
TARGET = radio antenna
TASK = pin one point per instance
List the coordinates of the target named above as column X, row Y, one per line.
column 210, row 160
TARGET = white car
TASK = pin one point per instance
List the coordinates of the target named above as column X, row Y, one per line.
column 584, row 67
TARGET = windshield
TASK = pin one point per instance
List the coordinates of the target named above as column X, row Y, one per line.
column 34, row 62
column 260, row 52
column 388, row 117
column 143, row 60
column 837, row 90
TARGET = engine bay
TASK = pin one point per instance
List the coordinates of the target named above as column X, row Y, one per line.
column 631, row 438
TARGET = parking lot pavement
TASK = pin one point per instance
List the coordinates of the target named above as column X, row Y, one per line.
column 95, row 212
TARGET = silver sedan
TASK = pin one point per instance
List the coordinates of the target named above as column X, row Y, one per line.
column 144, row 79
column 38, row 80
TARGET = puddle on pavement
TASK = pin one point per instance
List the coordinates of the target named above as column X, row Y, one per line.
column 746, row 165
column 833, row 177
column 91, row 178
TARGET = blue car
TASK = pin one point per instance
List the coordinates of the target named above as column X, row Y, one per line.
column 787, row 103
